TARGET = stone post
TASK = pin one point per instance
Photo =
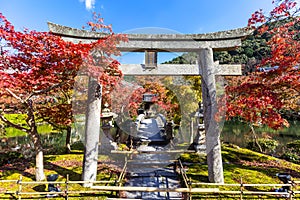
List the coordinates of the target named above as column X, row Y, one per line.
column 92, row 132
column 213, row 145
column 150, row 59
column 191, row 130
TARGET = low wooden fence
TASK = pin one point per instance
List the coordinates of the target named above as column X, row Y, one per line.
column 240, row 191
column 183, row 174
column 189, row 191
column 195, row 190
column 64, row 194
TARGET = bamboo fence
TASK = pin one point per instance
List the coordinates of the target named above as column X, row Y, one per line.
column 188, row 192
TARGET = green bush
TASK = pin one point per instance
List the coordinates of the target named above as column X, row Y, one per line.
column 294, row 146
column 292, row 157
column 9, row 157
column 292, row 152
column 77, row 146
column 267, row 145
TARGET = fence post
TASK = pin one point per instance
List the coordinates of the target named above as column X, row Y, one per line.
column 175, row 167
column 291, row 192
column 190, row 186
column 67, row 187
column 19, row 182
column 241, row 189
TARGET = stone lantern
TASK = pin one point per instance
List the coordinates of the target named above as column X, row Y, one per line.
column 106, row 138
column 198, row 142
column 106, row 117
column 149, row 101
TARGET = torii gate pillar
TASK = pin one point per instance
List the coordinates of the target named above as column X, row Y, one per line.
column 92, row 130
column 212, row 130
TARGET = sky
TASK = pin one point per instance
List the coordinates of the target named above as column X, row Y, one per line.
column 135, row 16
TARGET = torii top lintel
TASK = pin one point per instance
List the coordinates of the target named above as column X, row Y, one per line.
column 222, row 40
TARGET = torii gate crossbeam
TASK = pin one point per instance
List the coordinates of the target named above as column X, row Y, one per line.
column 222, row 40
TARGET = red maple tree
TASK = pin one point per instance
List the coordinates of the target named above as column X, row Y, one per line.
column 37, row 65
column 260, row 97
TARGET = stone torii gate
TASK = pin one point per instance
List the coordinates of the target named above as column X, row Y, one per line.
column 203, row 44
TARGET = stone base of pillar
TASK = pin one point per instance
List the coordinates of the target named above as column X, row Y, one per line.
column 198, row 147
column 199, row 142
column 106, row 144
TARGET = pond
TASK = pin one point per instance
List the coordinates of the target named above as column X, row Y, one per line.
column 240, row 134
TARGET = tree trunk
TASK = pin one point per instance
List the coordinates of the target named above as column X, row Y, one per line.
column 92, row 132
column 255, row 138
column 39, row 157
column 39, row 170
column 212, row 130
column 68, row 139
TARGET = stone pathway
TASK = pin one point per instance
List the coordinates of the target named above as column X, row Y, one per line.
column 151, row 168
column 160, row 178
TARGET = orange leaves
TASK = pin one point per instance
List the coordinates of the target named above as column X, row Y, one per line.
column 40, row 63
column 162, row 100
column 283, row 8
column 97, row 24
column 60, row 114
column 257, row 108
column 99, row 62
column 51, row 60
column 257, row 17
column 261, row 97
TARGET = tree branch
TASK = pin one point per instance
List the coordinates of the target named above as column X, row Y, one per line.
column 255, row 138
column 16, row 96
column 44, row 90
column 13, row 125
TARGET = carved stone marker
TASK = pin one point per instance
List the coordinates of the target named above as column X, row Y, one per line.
column 150, row 59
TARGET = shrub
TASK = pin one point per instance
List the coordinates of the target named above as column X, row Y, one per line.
column 267, row 145
column 292, row 152
column 9, row 157
column 292, row 157
column 294, row 146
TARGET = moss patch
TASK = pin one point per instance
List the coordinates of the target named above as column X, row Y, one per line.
column 64, row 165
column 241, row 165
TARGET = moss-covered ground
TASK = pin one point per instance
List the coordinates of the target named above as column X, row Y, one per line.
column 64, row 165
column 239, row 165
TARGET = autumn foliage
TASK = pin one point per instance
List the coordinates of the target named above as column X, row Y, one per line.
column 261, row 97
column 133, row 99
column 40, row 64
column 37, row 71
